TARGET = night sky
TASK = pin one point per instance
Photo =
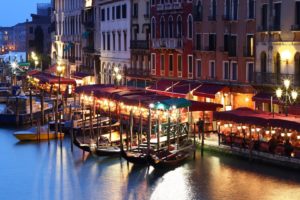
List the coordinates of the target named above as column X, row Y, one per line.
column 15, row 11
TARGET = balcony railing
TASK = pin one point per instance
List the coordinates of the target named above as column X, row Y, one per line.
column 139, row 44
column 167, row 43
column 169, row 6
column 137, row 72
column 295, row 27
column 89, row 49
column 267, row 78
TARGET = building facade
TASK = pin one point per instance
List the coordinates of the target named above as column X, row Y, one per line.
column 6, row 40
column 67, row 40
column 115, row 27
column 139, row 40
column 278, row 42
column 172, row 39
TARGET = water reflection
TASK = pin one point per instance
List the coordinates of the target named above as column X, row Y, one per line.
column 52, row 171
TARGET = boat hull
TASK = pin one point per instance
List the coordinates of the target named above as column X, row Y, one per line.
column 35, row 137
column 132, row 158
column 107, row 151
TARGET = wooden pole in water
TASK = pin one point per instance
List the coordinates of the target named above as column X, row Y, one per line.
column 72, row 134
column 110, row 131
column 141, row 130
column 56, row 118
column 158, row 134
column 30, row 106
column 97, row 142
column 194, row 140
column 121, row 131
column 131, row 128
column 48, row 131
column 149, row 132
column 17, row 112
column 201, row 128
column 42, row 108
column 168, row 131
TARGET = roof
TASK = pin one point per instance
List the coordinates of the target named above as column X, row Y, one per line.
column 265, row 98
column 208, row 90
column 172, row 103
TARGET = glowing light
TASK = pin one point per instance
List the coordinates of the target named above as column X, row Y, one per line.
column 244, row 127
column 279, row 92
column 267, row 132
column 282, row 134
column 273, row 132
column 239, row 127
column 286, row 83
column 257, row 129
column 294, row 94
column 289, row 134
column 286, row 56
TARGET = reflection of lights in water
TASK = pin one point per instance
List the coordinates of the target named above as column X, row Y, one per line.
column 173, row 180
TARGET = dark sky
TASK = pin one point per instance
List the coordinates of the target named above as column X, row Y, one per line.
column 15, row 11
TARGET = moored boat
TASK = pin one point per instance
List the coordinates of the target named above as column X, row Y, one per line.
column 34, row 134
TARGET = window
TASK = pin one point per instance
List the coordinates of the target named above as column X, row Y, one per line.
column 103, row 15
column 153, row 27
column 250, row 45
column 179, row 26
column 212, row 69
column 198, row 41
column 199, row 68
column 125, row 41
column 199, row 10
column 226, row 72
column 103, row 40
column 179, row 63
column 264, row 17
column 162, row 27
column 227, row 9
column 190, row 64
column 235, row 9
column 277, row 16
column 147, row 8
column 170, row 27
column 297, row 17
column 190, row 26
column 212, row 42
column 119, row 41
column 113, row 13
column 153, row 61
column 118, row 14
column 124, row 11
column 108, row 41
column 234, row 71
column 250, row 72
column 213, row 10
column 170, row 62
column 251, row 9
column 232, row 45
column 114, row 41
column 162, row 62
column 31, row 30
column 135, row 10
column 107, row 12
column 226, row 42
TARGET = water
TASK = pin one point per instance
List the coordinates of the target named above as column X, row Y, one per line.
column 41, row 171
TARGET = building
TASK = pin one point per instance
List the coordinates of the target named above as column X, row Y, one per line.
column 67, row 40
column 172, row 39
column 140, row 40
column 115, row 29
column 6, row 40
column 20, row 36
column 44, row 9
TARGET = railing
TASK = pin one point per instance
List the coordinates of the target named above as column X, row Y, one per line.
column 89, row 49
column 168, row 43
column 295, row 27
column 137, row 72
column 169, row 6
column 139, row 44
column 266, row 78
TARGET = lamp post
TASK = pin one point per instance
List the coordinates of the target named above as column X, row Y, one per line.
column 59, row 70
column 286, row 95
column 118, row 76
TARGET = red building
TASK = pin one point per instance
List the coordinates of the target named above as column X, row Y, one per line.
column 172, row 39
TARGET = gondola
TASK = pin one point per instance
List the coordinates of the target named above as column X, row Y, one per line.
column 138, row 158
column 105, row 148
column 166, row 159
column 84, row 147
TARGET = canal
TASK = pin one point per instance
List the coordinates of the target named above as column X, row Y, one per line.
column 51, row 171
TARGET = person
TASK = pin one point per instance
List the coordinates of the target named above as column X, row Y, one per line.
column 288, row 148
column 272, row 144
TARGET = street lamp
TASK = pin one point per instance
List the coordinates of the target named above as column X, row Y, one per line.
column 59, row 70
column 117, row 75
column 286, row 95
column 34, row 58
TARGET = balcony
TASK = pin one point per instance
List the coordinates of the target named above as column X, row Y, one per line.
column 167, row 43
column 137, row 72
column 263, row 28
column 226, row 17
column 139, row 44
column 169, row 6
column 88, row 24
column 89, row 49
column 267, row 78
column 247, row 52
column 295, row 27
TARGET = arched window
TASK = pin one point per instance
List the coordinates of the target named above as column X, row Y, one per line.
column 213, row 9
column 162, row 27
column 179, row 26
column 153, row 27
column 199, row 10
column 190, row 26
column 170, row 27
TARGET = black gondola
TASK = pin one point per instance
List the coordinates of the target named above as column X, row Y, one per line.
column 138, row 158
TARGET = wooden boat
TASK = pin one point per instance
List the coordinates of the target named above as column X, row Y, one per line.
column 33, row 135
column 170, row 159
column 138, row 158
column 84, row 147
column 106, row 150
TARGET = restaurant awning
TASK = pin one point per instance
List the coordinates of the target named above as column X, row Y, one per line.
column 254, row 117
column 80, row 75
column 51, row 79
column 182, row 89
column 172, row 103
column 204, row 106
column 208, row 90
column 33, row 72
column 162, row 85
column 263, row 97
column 90, row 88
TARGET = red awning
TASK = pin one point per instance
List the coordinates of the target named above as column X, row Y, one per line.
column 51, row 79
column 51, row 69
column 33, row 72
column 263, row 97
column 80, row 75
column 204, row 106
column 208, row 90
column 182, row 88
column 253, row 117
column 162, row 85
